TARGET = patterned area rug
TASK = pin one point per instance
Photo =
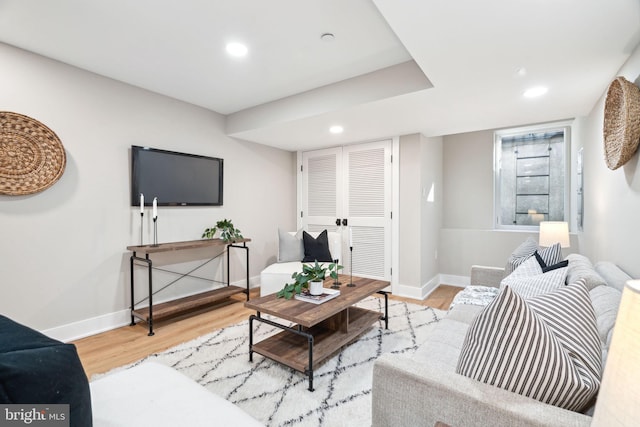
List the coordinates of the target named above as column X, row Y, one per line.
column 277, row 395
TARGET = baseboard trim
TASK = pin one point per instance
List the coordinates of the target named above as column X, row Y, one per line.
column 96, row 325
column 422, row 292
column 407, row 291
column 106, row 322
column 450, row 279
column 85, row 328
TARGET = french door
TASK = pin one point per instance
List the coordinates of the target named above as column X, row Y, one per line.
column 348, row 190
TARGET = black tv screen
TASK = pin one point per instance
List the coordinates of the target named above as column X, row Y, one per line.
column 176, row 179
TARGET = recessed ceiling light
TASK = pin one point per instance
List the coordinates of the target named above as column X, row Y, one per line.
column 336, row 129
column 327, row 37
column 535, row 91
column 237, row 49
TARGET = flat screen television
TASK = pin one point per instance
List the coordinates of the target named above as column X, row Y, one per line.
column 176, row 179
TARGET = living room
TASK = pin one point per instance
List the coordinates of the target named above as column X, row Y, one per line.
column 65, row 264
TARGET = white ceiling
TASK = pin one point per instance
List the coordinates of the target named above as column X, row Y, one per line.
column 394, row 67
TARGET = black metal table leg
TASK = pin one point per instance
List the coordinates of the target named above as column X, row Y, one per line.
column 295, row 330
column 386, row 308
column 133, row 322
column 150, row 268
column 251, row 337
column 310, row 372
column 246, row 250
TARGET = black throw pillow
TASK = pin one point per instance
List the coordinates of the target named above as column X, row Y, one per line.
column 316, row 249
column 545, row 268
column 561, row 264
column 539, row 259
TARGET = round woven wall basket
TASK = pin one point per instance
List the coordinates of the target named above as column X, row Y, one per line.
column 621, row 122
column 32, row 157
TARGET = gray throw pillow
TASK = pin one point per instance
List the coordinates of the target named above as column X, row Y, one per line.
column 580, row 268
column 520, row 255
column 290, row 248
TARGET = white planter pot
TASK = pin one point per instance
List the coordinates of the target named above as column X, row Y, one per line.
column 315, row 288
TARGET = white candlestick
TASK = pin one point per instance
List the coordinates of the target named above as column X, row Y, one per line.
column 141, row 203
column 155, row 207
column 350, row 237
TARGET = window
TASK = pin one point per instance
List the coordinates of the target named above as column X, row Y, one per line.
column 531, row 176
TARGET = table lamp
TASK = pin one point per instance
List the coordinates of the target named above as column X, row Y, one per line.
column 552, row 232
column 619, row 397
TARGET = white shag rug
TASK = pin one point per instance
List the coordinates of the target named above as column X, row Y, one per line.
column 277, row 395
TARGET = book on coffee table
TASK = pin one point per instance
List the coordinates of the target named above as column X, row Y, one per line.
column 325, row 296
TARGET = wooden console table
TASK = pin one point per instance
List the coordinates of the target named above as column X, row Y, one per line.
column 148, row 314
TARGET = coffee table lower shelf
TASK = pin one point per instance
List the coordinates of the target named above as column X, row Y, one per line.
column 302, row 348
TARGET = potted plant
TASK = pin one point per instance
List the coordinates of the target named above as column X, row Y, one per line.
column 228, row 232
column 312, row 277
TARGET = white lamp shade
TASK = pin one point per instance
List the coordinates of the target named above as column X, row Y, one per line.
column 619, row 396
column 552, row 232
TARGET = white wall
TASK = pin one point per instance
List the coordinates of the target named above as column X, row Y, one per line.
column 467, row 236
column 420, row 219
column 611, row 198
column 409, row 220
column 431, row 201
column 63, row 250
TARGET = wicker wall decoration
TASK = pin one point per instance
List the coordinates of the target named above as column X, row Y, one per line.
column 621, row 122
column 32, row 157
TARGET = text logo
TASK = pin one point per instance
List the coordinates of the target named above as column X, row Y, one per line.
column 34, row 415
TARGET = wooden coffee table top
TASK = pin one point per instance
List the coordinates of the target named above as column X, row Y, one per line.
column 308, row 314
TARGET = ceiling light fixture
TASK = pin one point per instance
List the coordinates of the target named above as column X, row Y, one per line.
column 535, row 92
column 237, row 49
column 327, row 37
column 336, row 129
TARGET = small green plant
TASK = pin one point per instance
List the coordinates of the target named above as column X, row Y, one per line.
column 310, row 273
column 228, row 232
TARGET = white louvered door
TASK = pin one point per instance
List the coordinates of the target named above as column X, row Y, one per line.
column 352, row 183
column 322, row 189
column 367, row 207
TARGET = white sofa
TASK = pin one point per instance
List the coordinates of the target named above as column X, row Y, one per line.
column 423, row 388
column 275, row 276
column 152, row 394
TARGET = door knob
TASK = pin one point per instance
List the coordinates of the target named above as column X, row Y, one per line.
column 338, row 222
column 344, row 221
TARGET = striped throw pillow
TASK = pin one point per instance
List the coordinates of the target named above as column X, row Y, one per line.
column 520, row 255
column 551, row 255
column 528, row 280
column 546, row 348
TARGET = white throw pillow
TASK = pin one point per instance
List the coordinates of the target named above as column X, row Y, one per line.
column 528, row 280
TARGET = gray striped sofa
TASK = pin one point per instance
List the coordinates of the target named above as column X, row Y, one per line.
column 423, row 388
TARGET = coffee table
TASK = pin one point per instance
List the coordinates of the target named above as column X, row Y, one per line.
column 319, row 330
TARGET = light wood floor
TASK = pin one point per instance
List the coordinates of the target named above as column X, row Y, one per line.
column 103, row 352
